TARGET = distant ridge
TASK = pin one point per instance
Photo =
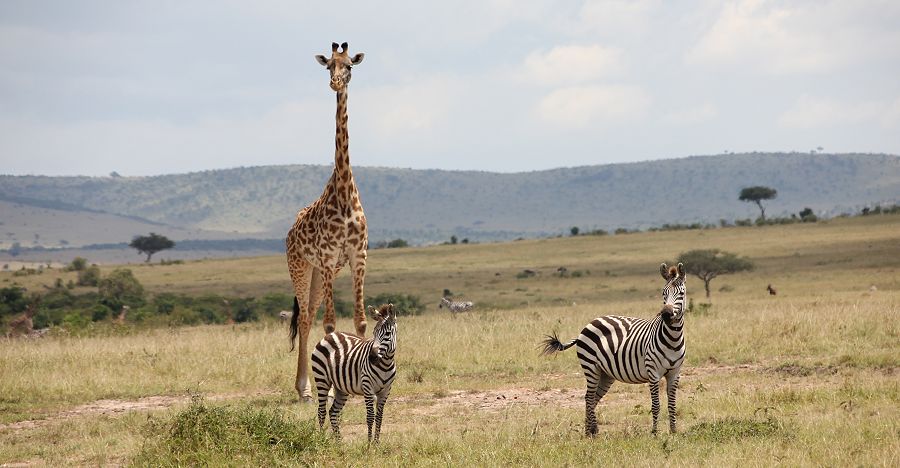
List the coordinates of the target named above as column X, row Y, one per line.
column 431, row 205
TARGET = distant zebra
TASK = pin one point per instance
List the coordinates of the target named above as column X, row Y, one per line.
column 456, row 306
column 632, row 350
column 356, row 367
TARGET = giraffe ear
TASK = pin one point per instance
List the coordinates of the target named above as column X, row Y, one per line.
column 322, row 60
column 664, row 271
column 357, row 59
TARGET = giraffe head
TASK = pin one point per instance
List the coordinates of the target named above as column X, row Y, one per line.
column 339, row 65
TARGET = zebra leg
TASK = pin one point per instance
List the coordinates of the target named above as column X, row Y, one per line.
column 322, row 388
column 379, row 411
column 334, row 414
column 370, row 412
column 654, row 403
column 671, row 388
column 590, row 404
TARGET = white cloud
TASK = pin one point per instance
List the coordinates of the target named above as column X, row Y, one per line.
column 572, row 64
column 418, row 106
column 692, row 115
column 581, row 105
column 616, row 17
column 817, row 112
column 798, row 37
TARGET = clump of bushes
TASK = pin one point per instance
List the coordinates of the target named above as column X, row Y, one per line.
column 404, row 304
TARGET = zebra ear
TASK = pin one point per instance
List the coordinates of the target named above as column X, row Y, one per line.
column 681, row 270
column 390, row 310
column 664, row 271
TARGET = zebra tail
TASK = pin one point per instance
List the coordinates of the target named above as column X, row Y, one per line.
column 551, row 345
column 294, row 322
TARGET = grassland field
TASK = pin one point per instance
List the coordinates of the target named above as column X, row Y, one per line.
column 805, row 378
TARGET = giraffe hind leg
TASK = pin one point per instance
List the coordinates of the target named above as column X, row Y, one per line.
column 301, row 276
column 317, row 291
column 328, row 321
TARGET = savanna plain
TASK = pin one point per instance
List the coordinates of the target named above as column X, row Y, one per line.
column 810, row 376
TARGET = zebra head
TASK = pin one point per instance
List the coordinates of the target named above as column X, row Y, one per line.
column 673, row 292
column 385, row 335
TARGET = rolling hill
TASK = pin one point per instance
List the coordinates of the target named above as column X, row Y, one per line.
column 431, row 205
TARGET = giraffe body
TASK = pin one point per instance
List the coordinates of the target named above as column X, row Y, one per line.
column 329, row 233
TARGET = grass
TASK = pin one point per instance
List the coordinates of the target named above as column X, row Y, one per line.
column 808, row 377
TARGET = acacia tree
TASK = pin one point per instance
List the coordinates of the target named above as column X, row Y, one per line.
column 707, row 264
column 151, row 244
column 756, row 194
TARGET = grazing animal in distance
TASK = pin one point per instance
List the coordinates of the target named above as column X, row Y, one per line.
column 284, row 315
column 120, row 318
column 22, row 325
column 353, row 366
column 456, row 306
column 772, row 291
column 632, row 350
column 329, row 233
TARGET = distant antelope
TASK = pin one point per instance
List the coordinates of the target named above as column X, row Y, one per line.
column 772, row 291
column 22, row 325
column 120, row 319
column 456, row 306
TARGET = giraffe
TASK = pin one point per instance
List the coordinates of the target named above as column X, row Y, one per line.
column 329, row 233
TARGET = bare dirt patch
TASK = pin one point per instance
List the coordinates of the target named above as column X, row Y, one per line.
column 112, row 407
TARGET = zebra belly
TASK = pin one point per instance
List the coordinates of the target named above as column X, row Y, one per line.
column 611, row 346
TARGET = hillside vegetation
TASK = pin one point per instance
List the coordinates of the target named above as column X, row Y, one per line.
column 431, row 205
column 804, row 378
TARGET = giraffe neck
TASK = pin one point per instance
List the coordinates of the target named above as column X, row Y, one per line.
column 343, row 176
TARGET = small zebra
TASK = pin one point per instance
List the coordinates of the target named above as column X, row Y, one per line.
column 355, row 367
column 632, row 350
column 456, row 306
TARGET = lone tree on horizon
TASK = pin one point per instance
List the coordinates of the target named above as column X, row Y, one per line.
column 151, row 244
column 707, row 264
column 756, row 194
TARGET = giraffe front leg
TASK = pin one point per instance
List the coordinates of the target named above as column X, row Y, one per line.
column 654, row 404
column 358, row 266
column 671, row 389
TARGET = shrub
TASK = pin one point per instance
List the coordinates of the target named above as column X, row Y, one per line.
column 89, row 276
column 78, row 264
column 120, row 288
column 406, row 304
column 397, row 243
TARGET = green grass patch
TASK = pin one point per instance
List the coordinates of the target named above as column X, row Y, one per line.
column 731, row 429
column 210, row 435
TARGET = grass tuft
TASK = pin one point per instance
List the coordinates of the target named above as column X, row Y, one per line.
column 217, row 435
column 730, row 429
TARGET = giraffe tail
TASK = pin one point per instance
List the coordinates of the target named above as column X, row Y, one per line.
column 295, row 319
column 551, row 344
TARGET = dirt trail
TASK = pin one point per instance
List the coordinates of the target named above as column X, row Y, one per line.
column 111, row 407
column 489, row 400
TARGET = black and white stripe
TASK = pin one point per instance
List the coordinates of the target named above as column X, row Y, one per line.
column 456, row 306
column 633, row 350
column 353, row 366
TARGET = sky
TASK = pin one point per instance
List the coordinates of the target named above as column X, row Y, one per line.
column 173, row 86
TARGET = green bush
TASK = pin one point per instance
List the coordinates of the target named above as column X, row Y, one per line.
column 78, row 264
column 404, row 304
column 120, row 288
column 89, row 276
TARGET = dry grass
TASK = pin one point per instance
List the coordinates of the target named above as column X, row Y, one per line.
column 808, row 377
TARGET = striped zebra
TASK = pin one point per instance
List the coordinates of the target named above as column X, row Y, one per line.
column 355, row 367
column 456, row 306
column 632, row 350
